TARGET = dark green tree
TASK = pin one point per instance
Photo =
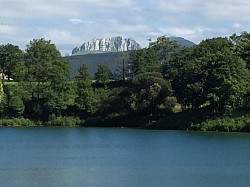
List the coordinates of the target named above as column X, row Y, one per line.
column 12, row 57
column 103, row 74
column 151, row 90
column 144, row 60
column 86, row 99
column 209, row 74
column 14, row 100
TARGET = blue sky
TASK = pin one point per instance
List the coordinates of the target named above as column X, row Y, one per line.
column 69, row 23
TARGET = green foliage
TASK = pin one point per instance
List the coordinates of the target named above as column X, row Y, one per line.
column 143, row 61
column 103, row 74
column 14, row 98
column 209, row 74
column 180, row 120
column 224, row 123
column 242, row 46
column 109, row 99
column 16, row 122
column 83, row 73
column 165, row 47
column 16, row 105
column 12, row 58
column 151, row 90
column 65, row 121
column 86, row 99
column 48, row 75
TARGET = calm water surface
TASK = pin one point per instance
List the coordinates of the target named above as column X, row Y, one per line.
column 76, row 157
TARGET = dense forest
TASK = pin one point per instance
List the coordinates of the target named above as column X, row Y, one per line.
column 164, row 86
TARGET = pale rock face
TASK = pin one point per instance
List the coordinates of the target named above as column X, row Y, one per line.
column 115, row 44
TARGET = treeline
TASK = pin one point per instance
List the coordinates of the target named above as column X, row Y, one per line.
column 204, row 87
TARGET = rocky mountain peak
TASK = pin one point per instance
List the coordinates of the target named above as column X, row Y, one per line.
column 114, row 44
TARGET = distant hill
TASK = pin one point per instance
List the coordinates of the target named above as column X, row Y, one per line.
column 182, row 41
column 112, row 59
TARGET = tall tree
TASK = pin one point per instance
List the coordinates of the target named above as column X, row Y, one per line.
column 86, row 99
column 48, row 76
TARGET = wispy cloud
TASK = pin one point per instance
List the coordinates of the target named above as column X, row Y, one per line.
column 68, row 23
column 75, row 20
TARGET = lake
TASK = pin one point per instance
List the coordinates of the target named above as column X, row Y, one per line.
column 107, row 157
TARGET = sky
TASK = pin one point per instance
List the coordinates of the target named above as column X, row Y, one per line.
column 69, row 23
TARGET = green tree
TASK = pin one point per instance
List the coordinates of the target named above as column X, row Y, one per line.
column 16, row 106
column 144, row 60
column 165, row 47
column 48, row 76
column 86, row 99
column 242, row 46
column 211, row 74
column 151, row 90
column 12, row 58
column 103, row 74
column 14, row 100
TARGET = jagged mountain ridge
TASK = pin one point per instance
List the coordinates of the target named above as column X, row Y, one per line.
column 99, row 45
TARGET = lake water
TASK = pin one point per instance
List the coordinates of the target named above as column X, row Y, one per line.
column 79, row 157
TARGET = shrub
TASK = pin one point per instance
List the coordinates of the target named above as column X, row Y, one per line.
column 16, row 122
column 65, row 121
column 225, row 124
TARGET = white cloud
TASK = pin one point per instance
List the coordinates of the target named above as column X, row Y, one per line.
column 110, row 3
column 120, row 27
column 175, row 6
column 61, row 37
column 230, row 10
column 8, row 30
column 33, row 9
column 75, row 20
column 188, row 33
column 233, row 10
column 236, row 25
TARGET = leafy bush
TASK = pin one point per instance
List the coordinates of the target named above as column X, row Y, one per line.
column 16, row 122
column 225, row 124
column 65, row 121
